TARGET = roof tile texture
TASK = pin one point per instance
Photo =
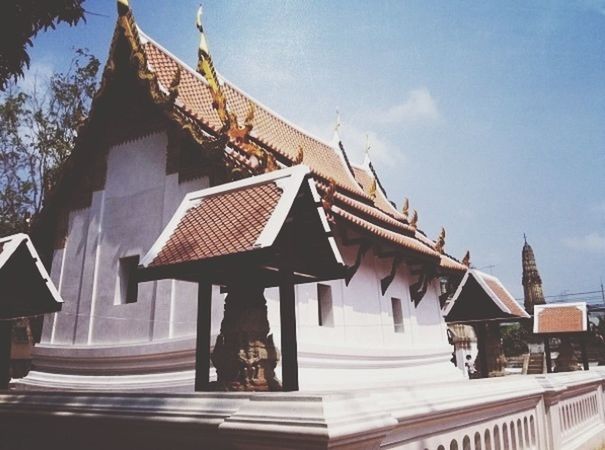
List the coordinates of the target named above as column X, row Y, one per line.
column 560, row 319
column 505, row 297
column 222, row 224
column 194, row 97
column 268, row 128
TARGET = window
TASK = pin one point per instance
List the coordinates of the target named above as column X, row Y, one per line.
column 325, row 314
column 128, row 287
column 397, row 315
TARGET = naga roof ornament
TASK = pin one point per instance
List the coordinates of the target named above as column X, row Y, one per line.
column 405, row 209
column 467, row 259
column 440, row 242
column 205, row 66
column 414, row 219
column 261, row 160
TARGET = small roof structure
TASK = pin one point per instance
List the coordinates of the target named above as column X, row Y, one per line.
column 248, row 228
column 482, row 297
column 562, row 318
column 25, row 286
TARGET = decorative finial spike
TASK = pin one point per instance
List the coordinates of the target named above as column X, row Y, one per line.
column 414, row 219
column 206, row 68
column 405, row 210
column 338, row 124
column 467, row 259
column 525, row 238
column 123, row 7
column 440, row 242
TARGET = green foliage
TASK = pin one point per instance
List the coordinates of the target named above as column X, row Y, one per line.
column 38, row 130
column 514, row 339
column 20, row 22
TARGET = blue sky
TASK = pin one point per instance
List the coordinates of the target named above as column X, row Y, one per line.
column 487, row 115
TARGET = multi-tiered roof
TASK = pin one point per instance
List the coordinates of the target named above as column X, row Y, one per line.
column 208, row 107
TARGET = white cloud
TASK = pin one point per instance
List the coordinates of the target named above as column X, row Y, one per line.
column 419, row 107
column 593, row 242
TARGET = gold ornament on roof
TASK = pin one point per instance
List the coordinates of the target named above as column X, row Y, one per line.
column 467, row 259
column 300, row 155
column 440, row 242
column 373, row 189
column 414, row 219
column 405, row 210
column 205, row 66
column 173, row 90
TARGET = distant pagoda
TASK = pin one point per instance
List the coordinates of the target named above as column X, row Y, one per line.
column 532, row 283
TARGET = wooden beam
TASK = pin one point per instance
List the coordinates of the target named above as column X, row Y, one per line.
column 289, row 344
column 202, row 350
column 5, row 352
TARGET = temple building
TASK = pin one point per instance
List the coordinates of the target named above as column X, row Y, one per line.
column 532, row 283
column 201, row 243
column 129, row 261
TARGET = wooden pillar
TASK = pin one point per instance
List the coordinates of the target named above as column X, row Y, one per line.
column 547, row 353
column 202, row 350
column 289, row 345
column 583, row 350
column 5, row 352
column 481, row 330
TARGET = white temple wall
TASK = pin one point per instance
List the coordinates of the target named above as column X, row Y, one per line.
column 156, row 333
column 123, row 220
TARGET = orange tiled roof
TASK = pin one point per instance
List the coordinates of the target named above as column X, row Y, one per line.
column 405, row 242
column 366, row 178
column 222, row 224
column 559, row 319
column 284, row 139
column 504, row 296
column 271, row 130
column 449, row 263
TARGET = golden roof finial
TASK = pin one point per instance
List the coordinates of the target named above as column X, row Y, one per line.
column 373, row 188
column 405, row 210
column 414, row 219
column 123, row 7
column 206, row 68
column 467, row 259
column 440, row 242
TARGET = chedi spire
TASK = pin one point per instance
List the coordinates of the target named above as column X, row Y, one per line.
column 532, row 283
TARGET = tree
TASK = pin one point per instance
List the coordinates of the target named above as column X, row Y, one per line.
column 20, row 22
column 514, row 339
column 37, row 133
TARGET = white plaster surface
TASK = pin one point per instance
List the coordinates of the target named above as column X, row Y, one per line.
column 127, row 217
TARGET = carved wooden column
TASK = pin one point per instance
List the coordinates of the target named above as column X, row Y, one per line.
column 244, row 354
column 5, row 352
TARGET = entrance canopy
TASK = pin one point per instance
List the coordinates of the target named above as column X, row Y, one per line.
column 482, row 297
column 25, row 286
column 249, row 229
